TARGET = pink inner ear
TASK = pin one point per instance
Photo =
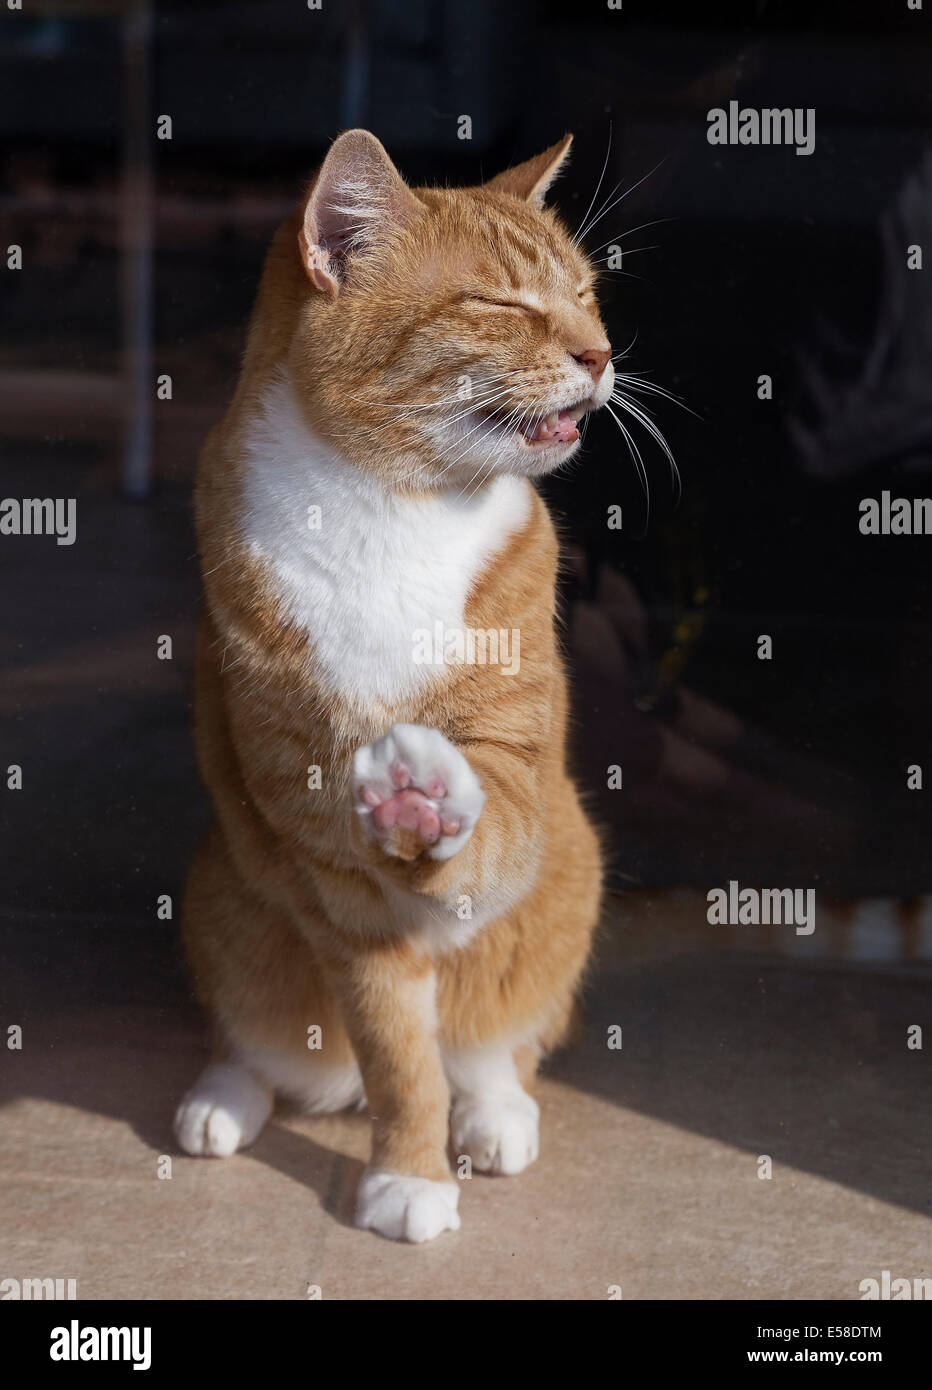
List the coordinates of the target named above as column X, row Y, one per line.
column 317, row 264
column 317, row 268
column 358, row 194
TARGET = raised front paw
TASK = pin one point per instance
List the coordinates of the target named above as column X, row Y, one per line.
column 406, row 1208
column 415, row 793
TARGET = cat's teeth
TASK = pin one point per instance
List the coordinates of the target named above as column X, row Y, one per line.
column 559, row 425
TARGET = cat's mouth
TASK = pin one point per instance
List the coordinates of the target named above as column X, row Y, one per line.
column 537, row 430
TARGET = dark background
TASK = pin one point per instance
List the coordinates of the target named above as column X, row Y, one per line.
column 787, row 772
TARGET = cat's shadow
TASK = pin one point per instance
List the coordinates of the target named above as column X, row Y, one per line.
column 69, row 1061
column 331, row 1174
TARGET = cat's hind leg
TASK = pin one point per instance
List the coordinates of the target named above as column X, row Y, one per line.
column 258, row 978
column 225, row 1110
column 493, row 1120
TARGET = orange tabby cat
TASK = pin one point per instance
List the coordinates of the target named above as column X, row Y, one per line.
column 397, row 897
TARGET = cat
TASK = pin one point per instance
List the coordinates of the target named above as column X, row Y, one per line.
column 395, row 903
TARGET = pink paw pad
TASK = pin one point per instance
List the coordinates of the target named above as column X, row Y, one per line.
column 411, row 808
column 416, row 792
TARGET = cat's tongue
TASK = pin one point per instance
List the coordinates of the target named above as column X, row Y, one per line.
column 557, row 428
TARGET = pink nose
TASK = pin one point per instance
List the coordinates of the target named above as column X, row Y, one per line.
column 595, row 360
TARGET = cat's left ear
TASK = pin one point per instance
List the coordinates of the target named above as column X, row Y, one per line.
column 532, row 179
column 357, row 195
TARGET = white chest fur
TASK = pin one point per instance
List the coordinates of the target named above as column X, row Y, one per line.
column 378, row 569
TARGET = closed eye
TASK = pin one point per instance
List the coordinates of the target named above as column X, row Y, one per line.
column 503, row 304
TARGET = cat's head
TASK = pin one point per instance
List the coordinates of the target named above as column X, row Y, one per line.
column 449, row 334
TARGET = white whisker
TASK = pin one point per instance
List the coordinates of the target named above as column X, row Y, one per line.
column 598, row 217
column 636, row 457
column 577, row 236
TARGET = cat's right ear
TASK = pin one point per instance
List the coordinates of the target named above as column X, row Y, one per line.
column 357, row 195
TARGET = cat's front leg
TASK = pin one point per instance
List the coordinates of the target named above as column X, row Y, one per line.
column 416, row 794
column 387, row 997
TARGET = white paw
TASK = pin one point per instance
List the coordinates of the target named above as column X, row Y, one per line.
column 498, row 1132
column 414, row 780
column 224, row 1111
column 406, row 1208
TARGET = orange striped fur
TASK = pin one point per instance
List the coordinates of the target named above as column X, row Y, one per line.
column 436, row 983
